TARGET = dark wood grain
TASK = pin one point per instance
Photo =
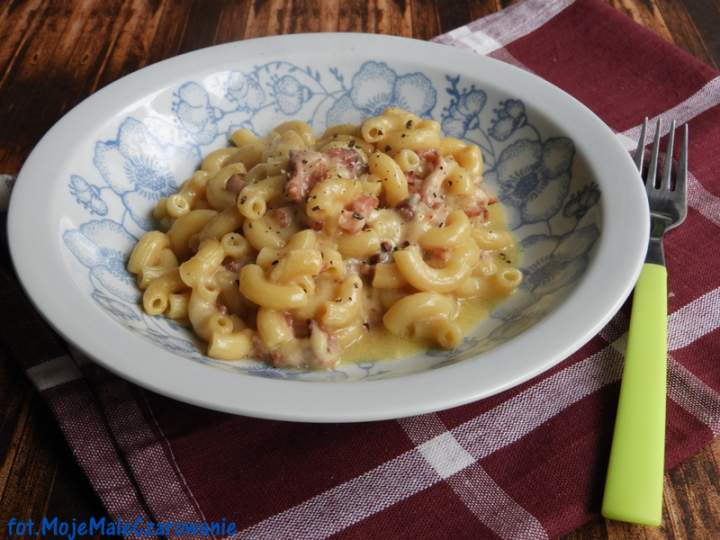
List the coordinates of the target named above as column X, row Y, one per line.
column 54, row 54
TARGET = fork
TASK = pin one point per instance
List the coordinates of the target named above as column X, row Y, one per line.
column 634, row 484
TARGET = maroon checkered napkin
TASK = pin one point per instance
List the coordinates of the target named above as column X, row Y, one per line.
column 528, row 463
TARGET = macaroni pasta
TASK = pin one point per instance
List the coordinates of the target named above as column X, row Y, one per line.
column 295, row 249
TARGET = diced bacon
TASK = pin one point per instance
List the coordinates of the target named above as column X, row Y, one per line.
column 405, row 211
column 316, row 225
column 364, row 204
column 430, row 156
column 478, row 205
column 440, row 254
column 431, row 191
column 282, row 215
column 300, row 328
column 325, row 347
column 233, row 265
column 374, row 318
column 277, row 359
column 380, row 257
column 353, row 218
column 477, row 210
column 348, row 159
column 435, row 217
column 307, row 167
column 350, row 221
column 235, row 183
column 366, row 270
column 414, row 182
column 260, row 348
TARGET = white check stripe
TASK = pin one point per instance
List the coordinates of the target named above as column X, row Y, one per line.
column 342, row 506
column 422, row 428
column 54, row 372
column 704, row 99
column 480, row 42
column 694, row 320
column 445, row 455
column 493, row 507
column 693, row 395
column 495, row 31
column 685, row 325
column 703, row 201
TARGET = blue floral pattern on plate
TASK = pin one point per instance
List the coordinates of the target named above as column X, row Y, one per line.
column 551, row 206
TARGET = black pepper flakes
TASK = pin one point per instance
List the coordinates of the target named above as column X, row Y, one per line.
column 386, row 246
column 315, row 208
column 358, row 216
column 242, row 200
column 408, row 124
column 304, row 161
column 388, row 147
column 275, row 262
column 351, row 144
column 403, row 135
column 405, row 244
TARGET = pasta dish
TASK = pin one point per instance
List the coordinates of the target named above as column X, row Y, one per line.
column 305, row 251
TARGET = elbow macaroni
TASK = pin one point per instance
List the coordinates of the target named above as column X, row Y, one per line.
column 292, row 248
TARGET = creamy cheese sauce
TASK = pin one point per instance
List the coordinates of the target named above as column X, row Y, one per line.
column 380, row 344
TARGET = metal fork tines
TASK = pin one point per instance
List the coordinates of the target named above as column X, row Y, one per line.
column 668, row 195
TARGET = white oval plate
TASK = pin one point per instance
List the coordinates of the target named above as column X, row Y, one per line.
column 84, row 195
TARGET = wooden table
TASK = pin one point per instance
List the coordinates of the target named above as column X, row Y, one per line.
column 53, row 54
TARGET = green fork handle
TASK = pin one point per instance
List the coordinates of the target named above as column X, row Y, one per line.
column 634, row 485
